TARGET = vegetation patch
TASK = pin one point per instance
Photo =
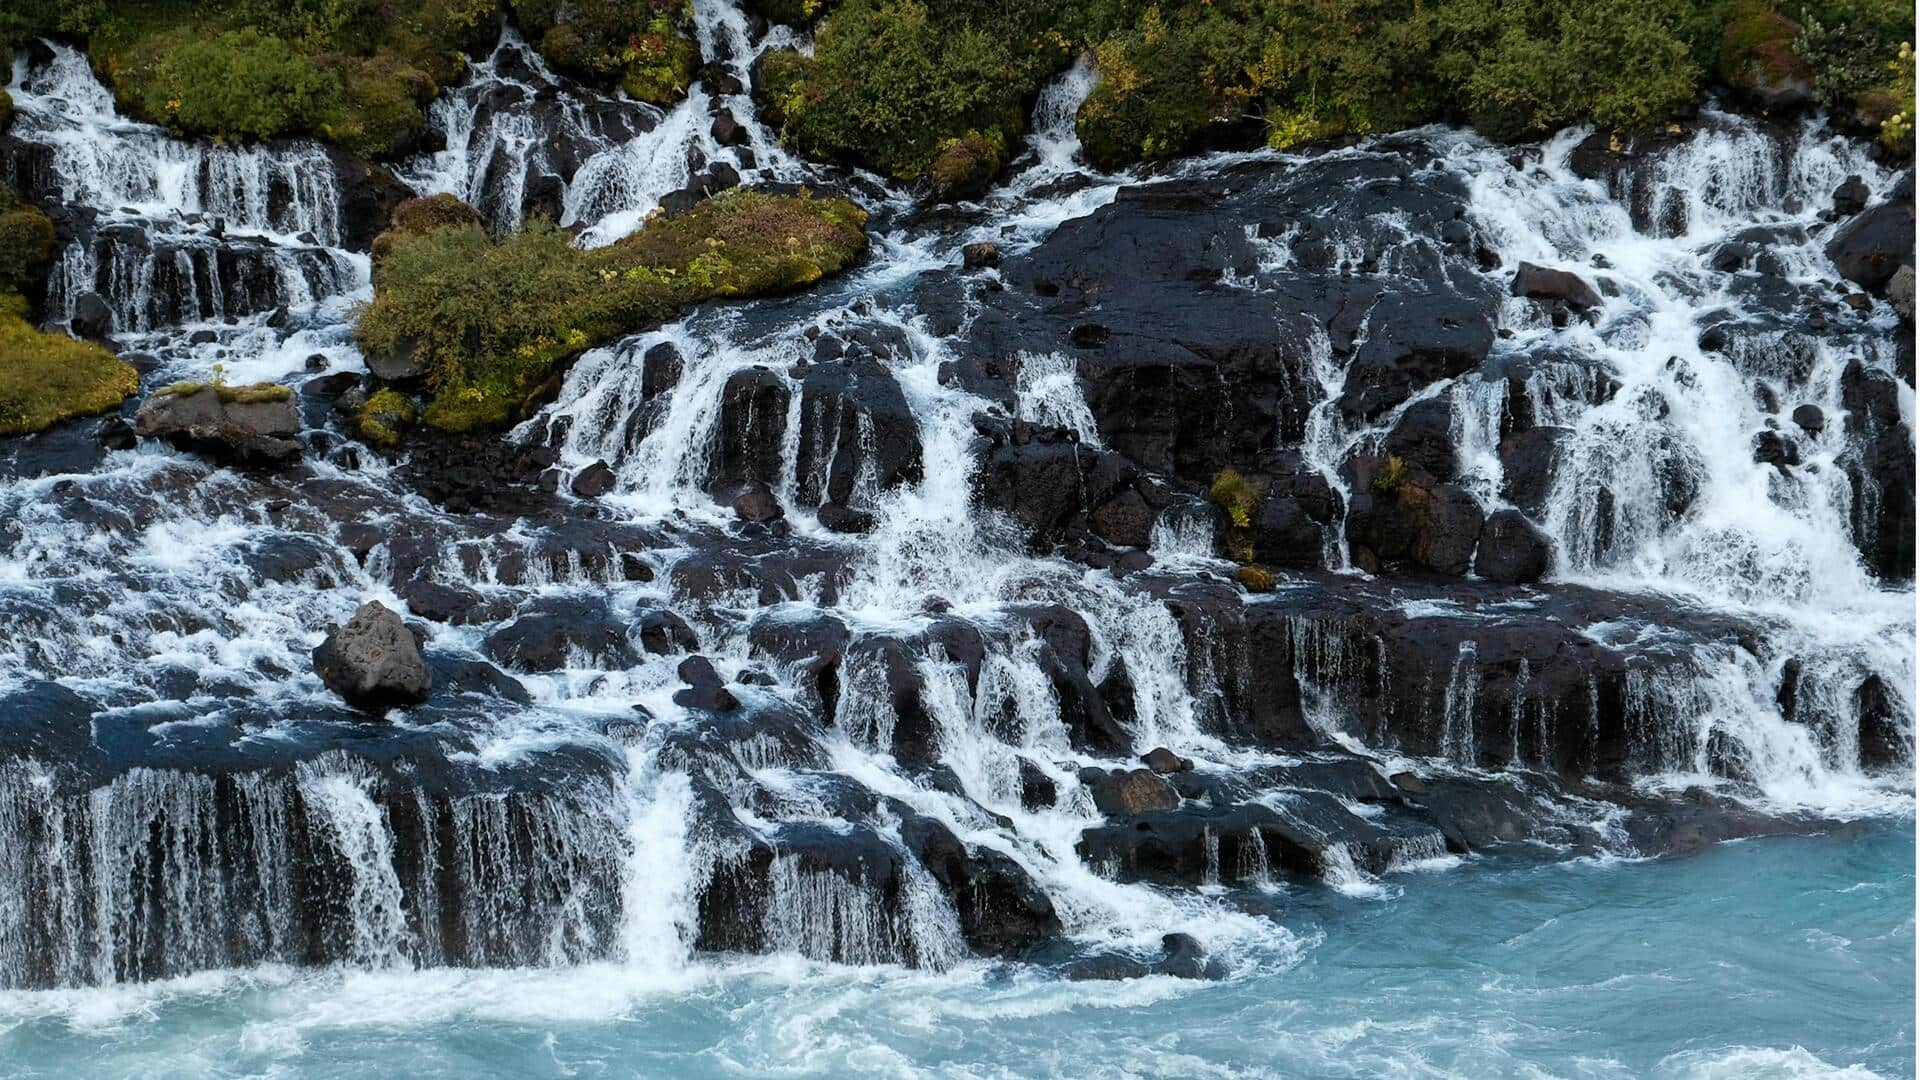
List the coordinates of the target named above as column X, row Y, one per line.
column 642, row 46
column 1255, row 579
column 1391, row 477
column 47, row 378
column 26, row 244
column 893, row 85
column 355, row 72
column 489, row 320
column 250, row 394
column 384, row 416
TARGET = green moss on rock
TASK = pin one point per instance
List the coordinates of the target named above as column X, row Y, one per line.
column 26, row 244
column 1757, row 56
column 384, row 416
column 47, row 378
column 249, row 394
column 490, row 321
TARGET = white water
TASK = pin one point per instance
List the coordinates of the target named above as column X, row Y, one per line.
column 1754, row 543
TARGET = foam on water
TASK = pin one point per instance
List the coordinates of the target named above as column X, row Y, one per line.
column 168, row 585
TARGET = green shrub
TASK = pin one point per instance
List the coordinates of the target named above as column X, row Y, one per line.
column 489, row 321
column 1167, row 80
column 1861, row 55
column 355, row 72
column 1391, row 477
column 791, row 12
column 1237, row 496
column 641, row 45
column 47, row 378
column 1520, row 69
column 241, row 84
column 892, row 84
column 6, row 110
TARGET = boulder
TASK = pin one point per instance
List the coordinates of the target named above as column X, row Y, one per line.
column 1850, row 197
column 252, row 424
column 755, row 502
column 1872, row 247
column 92, row 318
column 1900, row 294
column 373, row 661
column 1810, row 418
column 1545, row 283
column 593, row 481
column 1512, row 549
column 1133, row 791
column 705, row 689
column 1162, row 760
column 980, row 254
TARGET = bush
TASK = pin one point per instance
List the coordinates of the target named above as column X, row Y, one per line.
column 354, row 72
column 892, row 84
column 1520, row 70
column 1391, row 477
column 47, row 378
column 242, row 84
column 641, row 45
column 489, row 321
column 1237, row 496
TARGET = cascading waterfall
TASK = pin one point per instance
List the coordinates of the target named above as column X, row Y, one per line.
column 928, row 708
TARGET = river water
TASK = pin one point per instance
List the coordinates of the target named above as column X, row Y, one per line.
column 229, row 879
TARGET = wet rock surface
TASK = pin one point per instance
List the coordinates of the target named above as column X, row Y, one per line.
column 881, row 590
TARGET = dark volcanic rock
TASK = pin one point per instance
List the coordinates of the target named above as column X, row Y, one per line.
column 1135, row 791
column 1512, row 549
column 1542, row 283
column 372, row 661
column 213, row 422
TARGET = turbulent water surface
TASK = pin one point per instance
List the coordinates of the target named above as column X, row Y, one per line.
column 1651, row 815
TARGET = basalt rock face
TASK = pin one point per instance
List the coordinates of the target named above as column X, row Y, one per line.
column 868, row 623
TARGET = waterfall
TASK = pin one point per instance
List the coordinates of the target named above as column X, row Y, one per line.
column 938, row 691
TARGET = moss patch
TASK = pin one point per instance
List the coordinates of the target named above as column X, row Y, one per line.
column 384, row 416
column 250, row 394
column 26, row 244
column 490, row 320
column 47, row 378
column 1255, row 579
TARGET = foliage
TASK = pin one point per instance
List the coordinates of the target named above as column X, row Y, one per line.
column 384, row 415
column 355, row 72
column 490, row 320
column 6, row 110
column 241, row 84
column 1861, row 54
column 892, row 83
column 26, row 244
column 1237, row 496
column 47, row 378
column 1521, row 69
column 640, row 44
column 1391, row 477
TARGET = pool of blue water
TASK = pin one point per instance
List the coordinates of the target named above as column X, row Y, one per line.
column 1779, row 957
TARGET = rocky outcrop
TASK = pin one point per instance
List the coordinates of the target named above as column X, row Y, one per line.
column 243, row 424
column 372, row 661
column 1870, row 248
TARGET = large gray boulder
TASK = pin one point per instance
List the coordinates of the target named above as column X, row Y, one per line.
column 258, row 423
column 373, row 661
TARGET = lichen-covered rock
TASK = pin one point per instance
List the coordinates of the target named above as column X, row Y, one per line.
column 257, row 423
column 372, row 661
